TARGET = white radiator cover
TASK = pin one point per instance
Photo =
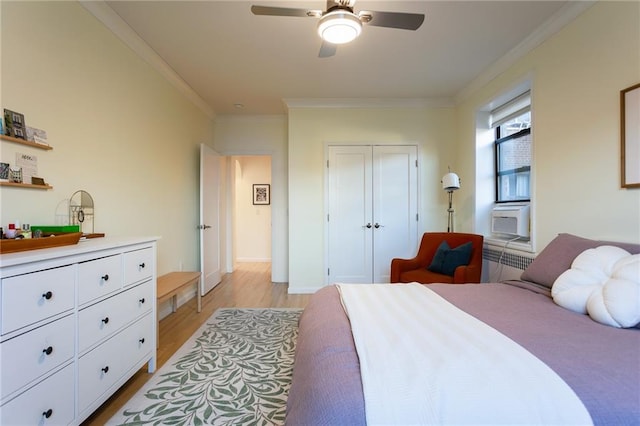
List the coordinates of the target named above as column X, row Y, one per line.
column 499, row 265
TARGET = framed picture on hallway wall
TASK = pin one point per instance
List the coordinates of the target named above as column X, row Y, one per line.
column 630, row 136
column 261, row 194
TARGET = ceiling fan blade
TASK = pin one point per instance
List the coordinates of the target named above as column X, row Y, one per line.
column 327, row 50
column 400, row 20
column 279, row 11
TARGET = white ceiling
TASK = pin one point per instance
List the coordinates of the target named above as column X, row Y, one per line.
column 229, row 56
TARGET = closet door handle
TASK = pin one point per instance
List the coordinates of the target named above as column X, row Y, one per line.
column 377, row 225
column 368, row 225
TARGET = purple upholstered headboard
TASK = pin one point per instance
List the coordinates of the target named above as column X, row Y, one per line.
column 558, row 255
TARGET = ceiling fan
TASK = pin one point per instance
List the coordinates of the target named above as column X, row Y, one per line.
column 339, row 24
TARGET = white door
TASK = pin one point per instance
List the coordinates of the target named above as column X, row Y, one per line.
column 395, row 207
column 372, row 210
column 209, row 218
column 350, row 210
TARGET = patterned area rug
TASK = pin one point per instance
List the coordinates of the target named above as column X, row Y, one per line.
column 235, row 370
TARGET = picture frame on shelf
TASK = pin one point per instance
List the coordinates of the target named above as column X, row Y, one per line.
column 14, row 124
column 37, row 135
column 630, row 136
column 4, row 172
column 15, row 175
column 261, row 194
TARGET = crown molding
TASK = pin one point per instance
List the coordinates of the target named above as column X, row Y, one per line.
column 566, row 14
column 110, row 19
column 251, row 117
column 369, row 103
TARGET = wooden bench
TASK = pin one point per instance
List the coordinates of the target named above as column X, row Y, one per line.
column 169, row 285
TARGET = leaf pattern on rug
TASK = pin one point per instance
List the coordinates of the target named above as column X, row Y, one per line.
column 238, row 372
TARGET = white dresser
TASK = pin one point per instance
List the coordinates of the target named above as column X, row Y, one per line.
column 76, row 322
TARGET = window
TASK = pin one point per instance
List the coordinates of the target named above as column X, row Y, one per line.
column 512, row 123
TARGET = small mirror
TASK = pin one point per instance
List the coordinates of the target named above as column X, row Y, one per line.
column 81, row 211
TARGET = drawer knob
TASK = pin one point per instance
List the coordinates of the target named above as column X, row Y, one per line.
column 141, row 340
column 142, row 265
column 105, row 277
column 141, row 300
column 105, row 320
column 48, row 295
column 105, row 369
column 48, row 413
column 48, row 350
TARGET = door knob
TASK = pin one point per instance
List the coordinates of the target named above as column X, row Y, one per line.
column 204, row 226
column 377, row 225
column 368, row 225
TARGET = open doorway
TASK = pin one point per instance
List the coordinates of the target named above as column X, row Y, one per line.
column 251, row 188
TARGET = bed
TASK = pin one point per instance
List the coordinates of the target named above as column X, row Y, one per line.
column 600, row 363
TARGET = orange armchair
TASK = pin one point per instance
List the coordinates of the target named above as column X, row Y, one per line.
column 410, row 270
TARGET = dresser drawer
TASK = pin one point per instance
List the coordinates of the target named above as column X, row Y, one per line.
column 138, row 266
column 53, row 397
column 30, row 298
column 140, row 298
column 28, row 356
column 101, row 320
column 102, row 367
column 99, row 277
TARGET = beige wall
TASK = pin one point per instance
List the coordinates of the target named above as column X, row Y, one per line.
column 252, row 223
column 125, row 135
column 119, row 130
column 576, row 79
column 261, row 135
column 311, row 129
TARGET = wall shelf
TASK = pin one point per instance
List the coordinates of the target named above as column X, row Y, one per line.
column 24, row 142
column 26, row 185
column 31, row 144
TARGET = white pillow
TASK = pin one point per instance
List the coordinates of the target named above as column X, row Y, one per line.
column 603, row 282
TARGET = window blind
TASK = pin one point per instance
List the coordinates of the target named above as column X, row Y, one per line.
column 515, row 107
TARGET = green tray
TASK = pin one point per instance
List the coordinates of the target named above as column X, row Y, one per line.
column 54, row 229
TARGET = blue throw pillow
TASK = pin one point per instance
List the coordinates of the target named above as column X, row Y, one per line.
column 446, row 259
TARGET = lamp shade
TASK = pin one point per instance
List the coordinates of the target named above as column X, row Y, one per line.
column 450, row 182
column 339, row 27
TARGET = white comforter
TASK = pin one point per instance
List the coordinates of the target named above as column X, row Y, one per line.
column 424, row 361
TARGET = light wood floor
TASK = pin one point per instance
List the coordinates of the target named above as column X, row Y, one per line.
column 249, row 286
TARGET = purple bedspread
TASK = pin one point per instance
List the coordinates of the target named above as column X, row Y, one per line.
column 600, row 363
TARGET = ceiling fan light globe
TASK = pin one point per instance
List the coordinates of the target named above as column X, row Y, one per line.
column 339, row 27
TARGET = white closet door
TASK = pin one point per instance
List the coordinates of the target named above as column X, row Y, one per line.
column 350, row 211
column 395, row 206
column 372, row 210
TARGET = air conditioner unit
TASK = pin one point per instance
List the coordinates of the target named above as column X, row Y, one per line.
column 510, row 220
